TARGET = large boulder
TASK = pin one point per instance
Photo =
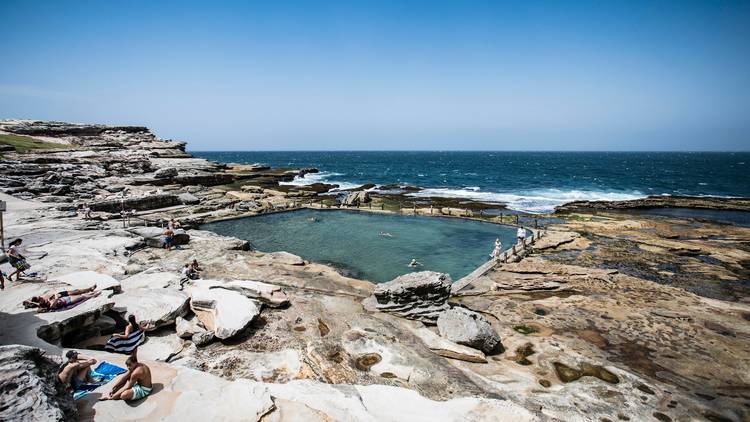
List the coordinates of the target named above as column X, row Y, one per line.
column 187, row 327
column 419, row 296
column 447, row 348
column 146, row 202
column 165, row 173
column 30, row 388
column 154, row 236
column 188, row 198
column 157, row 308
column 469, row 328
column 225, row 312
column 354, row 199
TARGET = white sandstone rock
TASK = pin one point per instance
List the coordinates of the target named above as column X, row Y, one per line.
column 155, row 307
column 225, row 312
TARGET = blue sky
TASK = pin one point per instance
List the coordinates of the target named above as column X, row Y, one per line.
column 527, row 75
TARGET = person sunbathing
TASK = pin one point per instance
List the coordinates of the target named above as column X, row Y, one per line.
column 55, row 301
column 132, row 385
column 128, row 341
column 77, row 370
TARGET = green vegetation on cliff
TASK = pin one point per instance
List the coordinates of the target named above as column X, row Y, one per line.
column 26, row 143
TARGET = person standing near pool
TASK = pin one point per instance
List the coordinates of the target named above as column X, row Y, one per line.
column 521, row 234
column 498, row 248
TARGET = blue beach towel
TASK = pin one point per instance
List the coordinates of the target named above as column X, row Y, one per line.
column 103, row 373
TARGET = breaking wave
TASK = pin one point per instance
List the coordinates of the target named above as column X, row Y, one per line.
column 321, row 177
column 533, row 201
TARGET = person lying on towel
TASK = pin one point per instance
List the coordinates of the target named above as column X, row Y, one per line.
column 60, row 300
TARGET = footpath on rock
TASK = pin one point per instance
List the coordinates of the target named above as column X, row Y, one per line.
column 586, row 325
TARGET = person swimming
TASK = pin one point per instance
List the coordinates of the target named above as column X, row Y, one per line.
column 415, row 263
column 386, row 234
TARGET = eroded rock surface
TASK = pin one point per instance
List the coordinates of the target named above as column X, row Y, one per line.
column 470, row 329
column 30, row 389
column 419, row 296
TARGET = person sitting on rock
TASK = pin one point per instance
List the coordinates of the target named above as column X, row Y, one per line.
column 132, row 385
column 59, row 300
column 196, row 269
column 128, row 341
column 168, row 239
column 185, row 275
column 174, row 224
column 16, row 260
column 77, row 370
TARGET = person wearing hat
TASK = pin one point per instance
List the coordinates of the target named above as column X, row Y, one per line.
column 77, row 370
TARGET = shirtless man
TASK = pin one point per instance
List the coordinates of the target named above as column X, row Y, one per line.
column 132, row 385
column 77, row 370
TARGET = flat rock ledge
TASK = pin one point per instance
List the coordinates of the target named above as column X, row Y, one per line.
column 30, row 389
column 420, row 296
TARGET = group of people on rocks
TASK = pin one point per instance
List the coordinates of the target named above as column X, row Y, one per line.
column 497, row 251
column 134, row 384
column 190, row 271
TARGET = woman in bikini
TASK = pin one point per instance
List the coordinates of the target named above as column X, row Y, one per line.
column 55, row 301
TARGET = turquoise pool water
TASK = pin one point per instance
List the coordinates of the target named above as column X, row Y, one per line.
column 351, row 240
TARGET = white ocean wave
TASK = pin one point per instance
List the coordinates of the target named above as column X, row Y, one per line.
column 321, row 177
column 535, row 201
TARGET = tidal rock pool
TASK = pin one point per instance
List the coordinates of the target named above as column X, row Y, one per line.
column 375, row 247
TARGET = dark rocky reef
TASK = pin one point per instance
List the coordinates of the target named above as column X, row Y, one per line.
column 709, row 203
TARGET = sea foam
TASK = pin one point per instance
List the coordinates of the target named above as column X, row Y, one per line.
column 533, row 201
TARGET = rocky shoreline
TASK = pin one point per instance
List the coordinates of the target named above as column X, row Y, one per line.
column 610, row 316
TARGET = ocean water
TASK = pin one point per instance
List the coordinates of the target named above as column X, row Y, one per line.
column 352, row 240
column 525, row 181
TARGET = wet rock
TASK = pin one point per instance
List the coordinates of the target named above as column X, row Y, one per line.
column 30, row 389
column 365, row 361
column 568, row 374
column 523, row 352
column 419, row 296
column 469, row 328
